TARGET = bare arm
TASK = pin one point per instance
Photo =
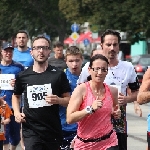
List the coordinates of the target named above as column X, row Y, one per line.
column 73, row 112
column 54, row 99
column 19, row 117
column 65, row 100
column 114, row 92
column 116, row 112
column 132, row 96
column 123, row 99
column 144, row 91
column 16, row 103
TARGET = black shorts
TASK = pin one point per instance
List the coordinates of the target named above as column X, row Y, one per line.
column 113, row 148
column 36, row 143
column 122, row 141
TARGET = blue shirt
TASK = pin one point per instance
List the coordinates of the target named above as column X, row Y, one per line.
column 23, row 57
column 62, row 110
column 13, row 68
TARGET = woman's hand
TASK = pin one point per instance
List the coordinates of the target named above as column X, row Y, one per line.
column 97, row 104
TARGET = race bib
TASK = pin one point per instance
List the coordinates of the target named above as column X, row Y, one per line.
column 5, row 81
column 36, row 95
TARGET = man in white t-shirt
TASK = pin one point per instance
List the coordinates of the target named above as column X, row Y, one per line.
column 122, row 75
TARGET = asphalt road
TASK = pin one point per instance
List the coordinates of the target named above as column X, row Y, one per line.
column 137, row 127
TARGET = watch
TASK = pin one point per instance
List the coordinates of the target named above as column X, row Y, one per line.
column 88, row 109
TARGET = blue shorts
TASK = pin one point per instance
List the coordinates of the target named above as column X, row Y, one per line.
column 12, row 132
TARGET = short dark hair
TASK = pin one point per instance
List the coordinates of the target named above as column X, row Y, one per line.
column 22, row 31
column 58, row 44
column 41, row 37
column 110, row 32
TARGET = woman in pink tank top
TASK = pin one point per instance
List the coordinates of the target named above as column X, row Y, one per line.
column 91, row 105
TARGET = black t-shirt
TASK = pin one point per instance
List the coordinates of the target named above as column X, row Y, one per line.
column 57, row 62
column 44, row 121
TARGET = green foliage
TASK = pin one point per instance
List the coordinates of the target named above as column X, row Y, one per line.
column 132, row 16
column 34, row 16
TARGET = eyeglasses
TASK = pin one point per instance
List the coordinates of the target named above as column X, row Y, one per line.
column 97, row 69
column 41, row 47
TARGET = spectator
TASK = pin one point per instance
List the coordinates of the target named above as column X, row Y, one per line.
column 22, row 52
column 58, row 59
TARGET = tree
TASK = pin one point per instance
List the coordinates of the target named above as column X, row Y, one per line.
column 34, row 16
column 124, row 15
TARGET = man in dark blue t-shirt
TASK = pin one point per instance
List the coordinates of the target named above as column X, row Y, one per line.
column 11, row 68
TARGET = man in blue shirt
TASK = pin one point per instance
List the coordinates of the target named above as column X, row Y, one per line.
column 58, row 59
column 74, row 60
column 8, row 66
column 22, row 52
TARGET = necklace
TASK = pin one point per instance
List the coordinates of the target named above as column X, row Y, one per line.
column 99, row 92
column 96, row 92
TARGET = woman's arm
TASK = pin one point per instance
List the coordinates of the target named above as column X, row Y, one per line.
column 114, row 93
column 116, row 108
column 73, row 112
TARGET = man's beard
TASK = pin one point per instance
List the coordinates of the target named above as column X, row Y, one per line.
column 40, row 62
column 113, row 54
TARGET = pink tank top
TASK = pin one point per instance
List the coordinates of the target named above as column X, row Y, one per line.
column 97, row 124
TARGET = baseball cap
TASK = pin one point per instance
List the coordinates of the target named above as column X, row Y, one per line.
column 7, row 45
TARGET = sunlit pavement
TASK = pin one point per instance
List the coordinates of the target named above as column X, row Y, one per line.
column 137, row 127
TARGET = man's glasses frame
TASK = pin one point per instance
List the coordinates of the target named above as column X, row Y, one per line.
column 40, row 47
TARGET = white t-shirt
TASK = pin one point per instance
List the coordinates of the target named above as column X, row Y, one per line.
column 122, row 74
column 84, row 74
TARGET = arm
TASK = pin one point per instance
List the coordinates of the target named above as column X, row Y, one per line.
column 132, row 91
column 65, row 100
column 137, row 108
column 19, row 117
column 114, row 92
column 132, row 97
column 144, row 91
column 123, row 100
column 16, row 103
column 73, row 112
column 133, row 86
column 116, row 109
column 54, row 99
